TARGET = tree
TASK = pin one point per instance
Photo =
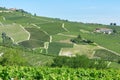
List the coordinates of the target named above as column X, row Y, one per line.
column 78, row 62
column 35, row 14
column 6, row 40
column 3, row 37
column 79, row 36
column 114, row 24
column 13, row 57
column 111, row 24
column 77, row 40
column 114, row 31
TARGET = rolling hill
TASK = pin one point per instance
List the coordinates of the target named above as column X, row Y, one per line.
column 52, row 35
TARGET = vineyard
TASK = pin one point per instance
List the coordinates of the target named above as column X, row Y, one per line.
column 37, row 38
column 15, row 31
column 55, row 47
column 41, row 39
column 52, row 28
column 32, row 73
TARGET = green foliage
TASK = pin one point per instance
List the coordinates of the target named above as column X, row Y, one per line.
column 6, row 41
column 31, row 73
column 17, row 55
column 78, row 62
column 79, row 40
column 87, row 41
column 13, row 57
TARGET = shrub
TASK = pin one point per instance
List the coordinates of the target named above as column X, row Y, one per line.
column 13, row 57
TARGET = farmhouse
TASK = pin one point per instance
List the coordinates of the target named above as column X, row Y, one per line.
column 104, row 30
column 12, row 9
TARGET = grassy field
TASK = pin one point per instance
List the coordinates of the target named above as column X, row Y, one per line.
column 87, row 50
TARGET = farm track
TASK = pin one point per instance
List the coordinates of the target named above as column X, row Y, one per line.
column 66, row 35
column 63, row 26
column 93, row 54
column 34, row 25
column 25, row 31
column 4, row 18
column 108, row 64
column 1, row 24
column 50, row 39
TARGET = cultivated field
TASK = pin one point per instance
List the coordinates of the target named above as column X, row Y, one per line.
column 16, row 32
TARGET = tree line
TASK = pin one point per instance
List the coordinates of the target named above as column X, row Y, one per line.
column 78, row 62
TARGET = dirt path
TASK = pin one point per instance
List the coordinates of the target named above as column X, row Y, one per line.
column 63, row 26
column 1, row 24
column 36, row 26
column 4, row 18
column 108, row 64
column 50, row 39
column 25, row 31
column 67, row 53
column 1, row 54
column 92, row 54
column 66, row 35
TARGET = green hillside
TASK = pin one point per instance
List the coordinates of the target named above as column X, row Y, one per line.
column 52, row 36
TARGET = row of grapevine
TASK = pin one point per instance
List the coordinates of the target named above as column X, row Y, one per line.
column 45, row 73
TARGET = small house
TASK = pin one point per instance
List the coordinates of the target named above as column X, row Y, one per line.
column 12, row 9
column 104, row 30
